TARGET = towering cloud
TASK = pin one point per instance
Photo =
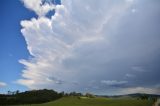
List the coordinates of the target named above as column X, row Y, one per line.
column 91, row 45
column 40, row 7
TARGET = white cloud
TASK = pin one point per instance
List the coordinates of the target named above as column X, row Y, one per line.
column 114, row 82
column 38, row 6
column 83, row 41
column 130, row 75
column 2, row 84
column 140, row 90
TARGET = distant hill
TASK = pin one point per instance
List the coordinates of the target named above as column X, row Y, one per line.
column 135, row 95
column 142, row 94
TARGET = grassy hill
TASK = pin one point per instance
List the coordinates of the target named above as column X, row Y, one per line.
column 98, row 101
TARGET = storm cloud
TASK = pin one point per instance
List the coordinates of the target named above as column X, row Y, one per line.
column 91, row 45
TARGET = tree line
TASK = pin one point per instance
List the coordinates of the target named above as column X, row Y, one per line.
column 35, row 96
column 29, row 97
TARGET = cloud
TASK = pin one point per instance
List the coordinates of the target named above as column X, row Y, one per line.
column 138, row 68
column 38, row 6
column 86, row 41
column 2, row 84
column 130, row 75
column 141, row 90
column 114, row 83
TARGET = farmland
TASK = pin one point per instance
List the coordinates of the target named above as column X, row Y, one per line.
column 98, row 101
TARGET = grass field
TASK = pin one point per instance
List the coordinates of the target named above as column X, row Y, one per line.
column 75, row 101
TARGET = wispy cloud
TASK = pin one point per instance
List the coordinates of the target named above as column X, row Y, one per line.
column 141, row 90
column 138, row 68
column 130, row 75
column 114, row 83
column 2, row 84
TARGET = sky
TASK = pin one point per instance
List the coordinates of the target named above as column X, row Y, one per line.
column 105, row 47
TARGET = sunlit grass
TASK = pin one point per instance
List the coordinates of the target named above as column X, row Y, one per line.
column 84, row 101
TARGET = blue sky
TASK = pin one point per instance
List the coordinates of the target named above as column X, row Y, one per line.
column 12, row 43
column 104, row 47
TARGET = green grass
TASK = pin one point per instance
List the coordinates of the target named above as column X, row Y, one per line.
column 75, row 101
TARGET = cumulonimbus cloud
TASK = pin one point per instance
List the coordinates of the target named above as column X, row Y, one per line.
column 84, row 41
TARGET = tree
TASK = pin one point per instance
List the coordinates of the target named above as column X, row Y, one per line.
column 17, row 92
column 90, row 95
